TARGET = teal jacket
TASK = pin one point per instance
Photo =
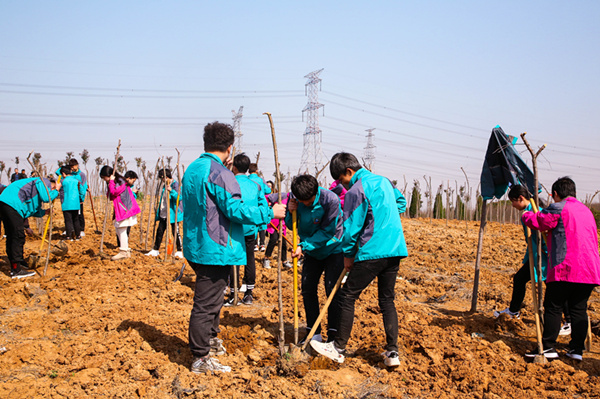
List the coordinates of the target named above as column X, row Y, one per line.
column 320, row 226
column 213, row 214
column 27, row 195
column 258, row 180
column 83, row 180
column 534, row 244
column 173, row 193
column 253, row 196
column 372, row 227
column 71, row 194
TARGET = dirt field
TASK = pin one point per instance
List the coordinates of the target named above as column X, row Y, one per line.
column 95, row 328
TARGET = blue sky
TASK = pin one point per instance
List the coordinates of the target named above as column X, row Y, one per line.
column 432, row 77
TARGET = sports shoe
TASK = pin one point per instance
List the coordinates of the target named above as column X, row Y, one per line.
column 82, row 234
column 316, row 337
column 548, row 353
column 391, row 358
column 575, row 355
column 565, row 329
column 154, row 252
column 287, row 264
column 266, row 263
column 248, row 299
column 229, row 301
column 508, row 312
column 328, row 350
column 216, row 347
column 243, row 288
column 123, row 253
column 262, row 248
column 207, row 364
column 256, row 248
column 179, row 254
column 21, row 273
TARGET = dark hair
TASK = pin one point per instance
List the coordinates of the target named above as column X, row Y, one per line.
column 342, row 161
column 304, row 187
column 73, row 162
column 65, row 169
column 107, row 171
column 252, row 168
column 564, row 187
column 218, row 137
column 22, row 170
column 130, row 174
column 241, row 162
column 163, row 172
column 518, row 190
column 273, row 188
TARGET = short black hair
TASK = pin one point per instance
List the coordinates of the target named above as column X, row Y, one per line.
column 253, row 168
column 65, row 170
column 218, row 136
column 518, row 190
column 304, row 187
column 564, row 187
column 163, row 172
column 22, row 170
column 241, row 162
column 130, row 174
column 342, row 161
column 73, row 162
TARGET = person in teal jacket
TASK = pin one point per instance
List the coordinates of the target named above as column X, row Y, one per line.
column 213, row 239
column 253, row 175
column 373, row 245
column 20, row 200
column 172, row 186
column 253, row 196
column 319, row 224
column 71, row 196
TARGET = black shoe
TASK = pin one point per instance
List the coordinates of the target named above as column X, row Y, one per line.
column 21, row 273
column 248, row 299
column 229, row 301
column 575, row 355
column 548, row 353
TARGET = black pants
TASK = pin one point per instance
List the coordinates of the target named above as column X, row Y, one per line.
column 208, row 300
column 575, row 295
column 250, row 268
column 520, row 280
column 361, row 275
column 312, row 269
column 15, row 233
column 273, row 238
column 72, row 223
column 160, row 232
column 81, row 218
column 262, row 237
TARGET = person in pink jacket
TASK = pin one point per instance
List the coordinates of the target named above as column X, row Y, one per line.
column 573, row 265
column 125, row 206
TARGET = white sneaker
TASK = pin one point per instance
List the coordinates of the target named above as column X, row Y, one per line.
column 207, row 364
column 243, row 288
column 154, row 252
column 327, row 349
column 391, row 358
column 508, row 312
column 179, row 254
column 565, row 329
column 123, row 253
column 82, row 234
column 266, row 263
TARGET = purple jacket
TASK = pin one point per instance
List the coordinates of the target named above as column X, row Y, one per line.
column 123, row 200
column 573, row 241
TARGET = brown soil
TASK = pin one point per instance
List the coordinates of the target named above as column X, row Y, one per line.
column 96, row 328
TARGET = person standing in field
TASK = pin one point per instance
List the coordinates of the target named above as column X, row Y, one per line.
column 78, row 173
column 373, row 244
column 266, row 190
column 213, row 239
column 71, row 197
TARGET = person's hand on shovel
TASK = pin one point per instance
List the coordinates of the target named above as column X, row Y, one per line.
column 297, row 253
column 348, row 263
column 279, row 211
column 292, row 205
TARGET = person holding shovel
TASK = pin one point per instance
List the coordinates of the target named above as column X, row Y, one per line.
column 213, row 239
column 373, row 244
column 266, row 190
column 20, row 200
column 72, row 195
column 125, row 206
column 573, row 266
column 319, row 221
column 172, row 187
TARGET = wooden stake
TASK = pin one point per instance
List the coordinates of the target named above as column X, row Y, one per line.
column 106, row 212
column 478, row 258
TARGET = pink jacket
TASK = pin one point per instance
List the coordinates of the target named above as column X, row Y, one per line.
column 572, row 243
column 340, row 190
column 123, row 200
column 272, row 199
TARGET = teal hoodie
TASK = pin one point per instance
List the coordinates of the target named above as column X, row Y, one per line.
column 71, row 194
column 27, row 195
column 320, row 226
column 213, row 214
column 534, row 245
column 372, row 226
column 257, row 179
column 173, row 193
column 252, row 195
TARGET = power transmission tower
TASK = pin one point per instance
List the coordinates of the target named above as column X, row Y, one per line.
column 237, row 130
column 312, row 154
column 369, row 158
